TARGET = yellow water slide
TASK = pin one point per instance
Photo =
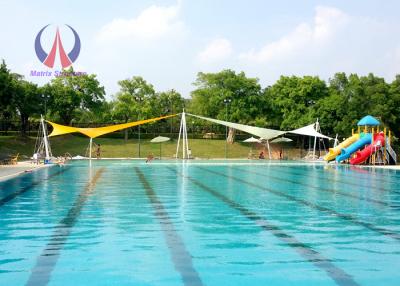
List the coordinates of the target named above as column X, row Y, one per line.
column 333, row 152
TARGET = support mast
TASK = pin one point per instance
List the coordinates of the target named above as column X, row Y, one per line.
column 183, row 134
column 315, row 138
column 45, row 139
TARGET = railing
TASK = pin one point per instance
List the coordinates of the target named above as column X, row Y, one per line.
column 390, row 152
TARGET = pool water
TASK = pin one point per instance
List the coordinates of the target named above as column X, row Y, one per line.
column 200, row 223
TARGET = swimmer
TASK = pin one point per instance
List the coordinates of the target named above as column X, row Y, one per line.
column 149, row 158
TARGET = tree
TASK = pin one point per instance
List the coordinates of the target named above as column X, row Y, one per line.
column 70, row 92
column 102, row 113
column 169, row 102
column 248, row 104
column 351, row 98
column 134, row 101
column 293, row 99
column 378, row 101
column 333, row 109
column 5, row 89
column 394, row 93
column 26, row 99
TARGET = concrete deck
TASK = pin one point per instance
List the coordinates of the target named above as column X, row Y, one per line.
column 390, row 167
column 10, row 171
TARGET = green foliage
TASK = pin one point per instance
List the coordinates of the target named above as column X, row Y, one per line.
column 289, row 103
column 351, row 98
column 135, row 99
column 26, row 99
column 247, row 101
column 5, row 90
column 18, row 98
column 394, row 94
column 293, row 99
column 138, row 100
column 169, row 102
column 102, row 114
column 68, row 94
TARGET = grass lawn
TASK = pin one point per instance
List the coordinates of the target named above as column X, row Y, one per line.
column 114, row 148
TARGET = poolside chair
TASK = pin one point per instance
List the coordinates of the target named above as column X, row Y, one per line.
column 3, row 160
column 14, row 160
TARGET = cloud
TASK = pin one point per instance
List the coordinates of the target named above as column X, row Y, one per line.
column 150, row 44
column 152, row 23
column 216, row 51
column 332, row 41
column 327, row 23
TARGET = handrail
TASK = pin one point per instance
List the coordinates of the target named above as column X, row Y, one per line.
column 390, row 151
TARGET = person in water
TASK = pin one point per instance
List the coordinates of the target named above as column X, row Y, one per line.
column 150, row 158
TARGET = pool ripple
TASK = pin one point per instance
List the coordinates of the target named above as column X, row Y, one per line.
column 205, row 224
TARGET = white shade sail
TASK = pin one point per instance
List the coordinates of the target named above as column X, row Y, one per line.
column 263, row 133
column 309, row 130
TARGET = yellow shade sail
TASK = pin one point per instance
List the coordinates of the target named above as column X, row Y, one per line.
column 61, row 129
column 96, row 132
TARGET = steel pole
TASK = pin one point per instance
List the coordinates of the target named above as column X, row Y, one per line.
column 226, row 130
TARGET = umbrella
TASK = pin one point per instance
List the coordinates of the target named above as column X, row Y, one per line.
column 252, row 140
column 281, row 140
column 159, row 139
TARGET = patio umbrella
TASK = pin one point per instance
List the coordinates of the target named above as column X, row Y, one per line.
column 281, row 140
column 252, row 140
column 160, row 139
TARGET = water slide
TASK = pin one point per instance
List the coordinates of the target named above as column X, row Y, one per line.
column 363, row 155
column 365, row 139
column 333, row 152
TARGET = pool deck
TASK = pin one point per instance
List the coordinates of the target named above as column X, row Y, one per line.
column 389, row 167
column 10, row 171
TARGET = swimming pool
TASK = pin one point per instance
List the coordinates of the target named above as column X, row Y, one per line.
column 200, row 223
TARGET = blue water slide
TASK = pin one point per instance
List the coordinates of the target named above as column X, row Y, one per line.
column 365, row 139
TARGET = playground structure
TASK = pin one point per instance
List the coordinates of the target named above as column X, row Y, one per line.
column 369, row 145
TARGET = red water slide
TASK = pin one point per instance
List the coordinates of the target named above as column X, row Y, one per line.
column 363, row 155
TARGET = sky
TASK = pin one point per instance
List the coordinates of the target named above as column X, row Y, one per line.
column 169, row 42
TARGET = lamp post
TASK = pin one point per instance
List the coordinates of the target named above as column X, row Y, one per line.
column 171, row 102
column 193, row 131
column 139, row 99
column 226, row 101
column 45, row 98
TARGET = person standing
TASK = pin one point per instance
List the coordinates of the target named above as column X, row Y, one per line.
column 36, row 158
column 98, row 151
